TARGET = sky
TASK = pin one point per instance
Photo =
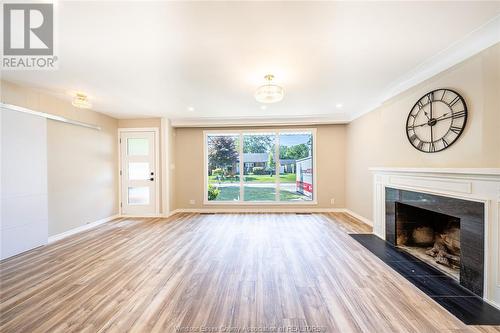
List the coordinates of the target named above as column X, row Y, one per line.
column 293, row 139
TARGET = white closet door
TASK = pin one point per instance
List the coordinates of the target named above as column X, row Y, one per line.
column 23, row 195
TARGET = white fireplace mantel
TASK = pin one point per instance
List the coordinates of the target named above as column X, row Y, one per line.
column 475, row 184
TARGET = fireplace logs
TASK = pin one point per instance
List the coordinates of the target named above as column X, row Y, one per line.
column 441, row 252
column 446, row 248
column 423, row 236
column 429, row 235
column 443, row 246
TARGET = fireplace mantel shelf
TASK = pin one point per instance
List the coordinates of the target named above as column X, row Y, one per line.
column 449, row 171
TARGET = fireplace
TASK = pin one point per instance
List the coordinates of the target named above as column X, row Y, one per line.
column 429, row 236
column 445, row 232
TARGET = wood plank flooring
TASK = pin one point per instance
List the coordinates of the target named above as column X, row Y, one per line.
column 190, row 272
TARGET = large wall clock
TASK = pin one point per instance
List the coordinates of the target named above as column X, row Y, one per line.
column 436, row 121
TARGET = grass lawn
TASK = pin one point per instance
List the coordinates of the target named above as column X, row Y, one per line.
column 257, row 194
column 284, row 178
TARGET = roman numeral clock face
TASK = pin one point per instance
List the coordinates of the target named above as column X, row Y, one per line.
column 436, row 121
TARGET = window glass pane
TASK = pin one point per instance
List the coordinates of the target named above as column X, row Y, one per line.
column 138, row 195
column 260, row 191
column 137, row 146
column 296, row 166
column 259, row 166
column 223, row 167
column 138, row 171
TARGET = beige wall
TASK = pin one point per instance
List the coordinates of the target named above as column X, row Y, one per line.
column 169, row 133
column 330, row 158
column 140, row 122
column 379, row 138
column 82, row 162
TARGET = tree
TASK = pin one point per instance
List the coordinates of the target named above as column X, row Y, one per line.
column 270, row 163
column 258, row 143
column 222, row 152
column 294, row 152
column 283, row 151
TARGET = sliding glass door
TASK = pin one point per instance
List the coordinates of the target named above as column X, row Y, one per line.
column 275, row 166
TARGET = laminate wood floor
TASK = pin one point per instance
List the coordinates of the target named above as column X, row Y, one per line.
column 227, row 271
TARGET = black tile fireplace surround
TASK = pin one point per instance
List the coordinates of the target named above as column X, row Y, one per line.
column 471, row 215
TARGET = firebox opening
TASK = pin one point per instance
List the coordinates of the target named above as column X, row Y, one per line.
column 430, row 236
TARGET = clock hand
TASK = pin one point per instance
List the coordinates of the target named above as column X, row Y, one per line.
column 437, row 119
column 432, row 133
column 441, row 116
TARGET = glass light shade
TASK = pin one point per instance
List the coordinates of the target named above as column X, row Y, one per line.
column 269, row 93
column 81, row 101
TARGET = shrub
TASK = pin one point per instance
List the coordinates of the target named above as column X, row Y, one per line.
column 258, row 171
column 213, row 192
column 217, row 172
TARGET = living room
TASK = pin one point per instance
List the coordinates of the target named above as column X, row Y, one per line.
column 250, row 166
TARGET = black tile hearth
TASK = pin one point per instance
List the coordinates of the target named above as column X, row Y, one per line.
column 447, row 292
column 470, row 310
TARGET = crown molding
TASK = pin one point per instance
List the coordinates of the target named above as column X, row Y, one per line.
column 339, row 118
column 471, row 44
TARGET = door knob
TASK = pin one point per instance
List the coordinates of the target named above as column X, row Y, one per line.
column 151, row 179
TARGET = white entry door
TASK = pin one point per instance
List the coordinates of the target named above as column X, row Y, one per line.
column 139, row 180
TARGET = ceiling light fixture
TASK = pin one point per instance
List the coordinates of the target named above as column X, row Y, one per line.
column 190, row 108
column 269, row 92
column 339, row 106
column 81, row 101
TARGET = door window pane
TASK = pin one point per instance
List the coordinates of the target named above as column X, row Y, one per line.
column 138, row 195
column 139, row 171
column 259, row 166
column 296, row 166
column 137, row 147
column 223, row 167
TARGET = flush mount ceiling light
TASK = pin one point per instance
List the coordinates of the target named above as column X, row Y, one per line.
column 81, row 101
column 269, row 92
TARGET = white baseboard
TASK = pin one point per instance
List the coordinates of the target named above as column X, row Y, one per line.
column 154, row 216
column 359, row 217
column 81, row 228
column 257, row 210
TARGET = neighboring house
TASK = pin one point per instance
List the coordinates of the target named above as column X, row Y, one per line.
column 287, row 166
column 251, row 160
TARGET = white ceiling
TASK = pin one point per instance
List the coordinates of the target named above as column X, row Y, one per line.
column 143, row 59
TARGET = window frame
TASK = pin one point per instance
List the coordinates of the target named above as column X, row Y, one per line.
column 242, row 132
